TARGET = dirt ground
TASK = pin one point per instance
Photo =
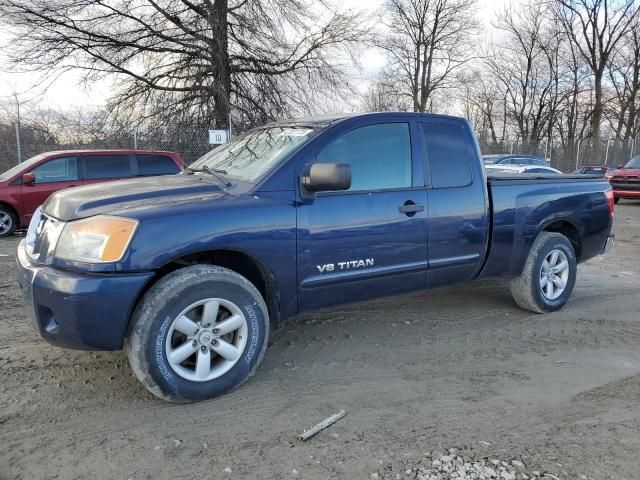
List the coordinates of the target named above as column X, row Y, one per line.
column 460, row 367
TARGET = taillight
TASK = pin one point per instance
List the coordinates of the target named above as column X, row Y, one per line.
column 610, row 202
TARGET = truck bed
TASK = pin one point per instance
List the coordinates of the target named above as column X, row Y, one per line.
column 521, row 205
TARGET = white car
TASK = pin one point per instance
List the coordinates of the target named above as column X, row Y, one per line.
column 519, row 169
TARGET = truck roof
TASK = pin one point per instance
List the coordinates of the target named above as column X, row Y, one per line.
column 325, row 120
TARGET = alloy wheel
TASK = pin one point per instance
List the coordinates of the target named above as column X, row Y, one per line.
column 206, row 339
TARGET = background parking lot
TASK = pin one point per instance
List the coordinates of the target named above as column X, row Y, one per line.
column 460, row 367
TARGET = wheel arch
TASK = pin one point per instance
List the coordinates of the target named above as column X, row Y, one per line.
column 15, row 212
column 243, row 263
column 10, row 207
column 569, row 230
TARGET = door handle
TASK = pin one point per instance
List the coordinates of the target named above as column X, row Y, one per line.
column 410, row 208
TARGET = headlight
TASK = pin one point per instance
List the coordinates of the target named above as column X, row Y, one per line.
column 100, row 239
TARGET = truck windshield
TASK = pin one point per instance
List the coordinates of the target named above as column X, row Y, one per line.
column 633, row 163
column 253, row 154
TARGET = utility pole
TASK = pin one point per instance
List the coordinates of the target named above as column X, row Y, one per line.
column 18, row 146
column 578, row 153
column 606, row 155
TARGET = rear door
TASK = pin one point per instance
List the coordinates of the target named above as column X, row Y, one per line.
column 106, row 167
column 51, row 176
column 458, row 204
column 370, row 240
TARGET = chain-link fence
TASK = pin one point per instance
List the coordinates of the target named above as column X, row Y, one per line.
column 571, row 155
column 20, row 144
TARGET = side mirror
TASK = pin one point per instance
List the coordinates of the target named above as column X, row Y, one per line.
column 621, row 165
column 28, row 178
column 322, row 177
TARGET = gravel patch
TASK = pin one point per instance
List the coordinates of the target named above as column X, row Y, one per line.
column 459, row 465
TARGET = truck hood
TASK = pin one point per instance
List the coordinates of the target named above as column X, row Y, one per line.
column 100, row 198
column 626, row 172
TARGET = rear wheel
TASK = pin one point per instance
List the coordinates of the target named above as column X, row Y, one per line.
column 549, row 274
column 198, row 333
column 616, row 199
column 8, row 221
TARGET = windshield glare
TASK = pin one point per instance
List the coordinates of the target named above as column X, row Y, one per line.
column 252, row 155
column 633, row 163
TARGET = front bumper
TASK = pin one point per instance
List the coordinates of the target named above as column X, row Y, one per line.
column 78, row 310
column 626, row 193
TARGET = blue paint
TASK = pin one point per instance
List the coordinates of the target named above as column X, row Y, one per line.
column 480, row 229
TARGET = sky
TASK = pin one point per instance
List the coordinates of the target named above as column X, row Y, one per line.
column 68, row 91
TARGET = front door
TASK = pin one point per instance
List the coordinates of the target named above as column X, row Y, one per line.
column 370, row 240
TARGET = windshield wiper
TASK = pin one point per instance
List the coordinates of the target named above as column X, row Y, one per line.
column 214, row 172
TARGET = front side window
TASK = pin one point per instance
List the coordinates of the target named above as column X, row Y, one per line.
column 379, row 155
column 63, row 169
column 448, row 152
column 107, row 166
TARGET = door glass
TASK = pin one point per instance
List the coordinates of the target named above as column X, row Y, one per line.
column 156, row 165
column 107, row 166
column 379, row 155
column 63, row 169
column 447, row 149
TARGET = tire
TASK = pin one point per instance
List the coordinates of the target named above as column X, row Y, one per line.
column 527, row 289
column 616, row 199
column 8, row 221
column 155, row 334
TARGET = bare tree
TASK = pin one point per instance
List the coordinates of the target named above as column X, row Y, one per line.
column 624, row 75
column 191, row 60
column 523, row 65
column 426, row 42
column 596, row 27
column 573, row 114
column 482, row 102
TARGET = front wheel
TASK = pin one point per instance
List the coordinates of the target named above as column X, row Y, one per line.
column 8, row 221
column 549, row 274
column 197, row 333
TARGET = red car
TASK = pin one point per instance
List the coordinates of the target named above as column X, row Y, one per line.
column 26, row 186
column 592, row 170
column 626, row 180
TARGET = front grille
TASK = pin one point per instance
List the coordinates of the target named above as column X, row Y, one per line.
column 626, row 180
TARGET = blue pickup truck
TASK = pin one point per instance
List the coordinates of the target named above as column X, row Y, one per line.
column 188, row 273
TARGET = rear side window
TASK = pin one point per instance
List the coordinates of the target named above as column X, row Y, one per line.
column 107, row 166
column 379, row 155
column 57, row 170
column 447, row 149
column 156, row 165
